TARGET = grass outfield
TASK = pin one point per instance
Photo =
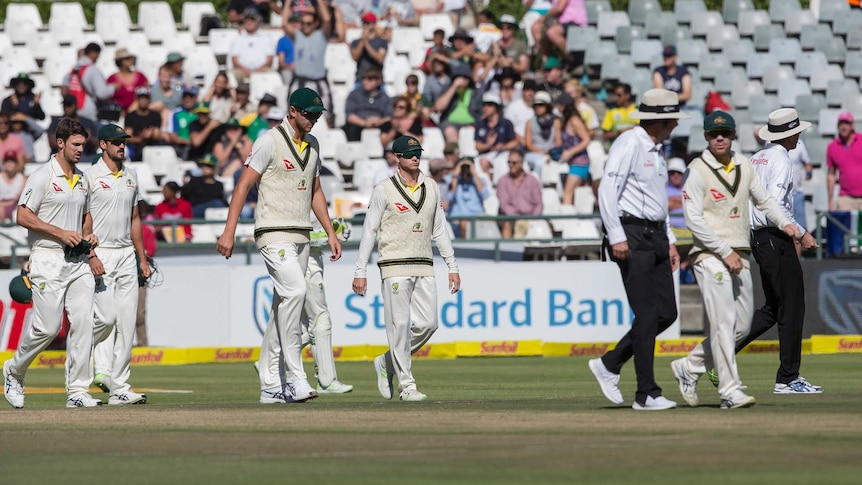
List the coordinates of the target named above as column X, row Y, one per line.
column 490, row 420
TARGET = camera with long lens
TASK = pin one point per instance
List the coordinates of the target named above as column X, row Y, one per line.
column 465, row 171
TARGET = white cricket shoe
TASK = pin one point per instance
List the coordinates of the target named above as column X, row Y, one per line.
column 737, row 401
column 101, row 381
column 337, row 387
column 13, row 389
column 608, row 381
column 82, row 400
column 687, row 382
column 128, row 397
column 797, row 386
column 384, row 378
column 272, row 395
column 412, row 394
column 298, row 391
column 659, row 403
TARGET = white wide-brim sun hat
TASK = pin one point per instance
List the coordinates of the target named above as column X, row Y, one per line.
column 783, row 123
column 659, row 104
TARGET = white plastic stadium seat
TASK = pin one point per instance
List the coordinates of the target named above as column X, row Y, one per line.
column 192, row 13
column 433, row 142
column 686, row 10
column 430, row 22
column 789, row 90
column 22, row 20
column 113, row 21
column 201, row 61
column 221, row 39
column 157, row 21
column 159, row 159
column 609, row 21
column 67, row 19
column 749, row 22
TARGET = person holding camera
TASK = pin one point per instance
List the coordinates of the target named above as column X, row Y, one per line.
column 467, row 192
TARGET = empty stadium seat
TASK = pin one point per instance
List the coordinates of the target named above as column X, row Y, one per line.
column 466, row 141
column 717, row 38
column 340, row 66
column 836, row 91
column 261, row 83
column 430, row 22
column 580, row 39
column 853, row 65
column 363, row 173
column 22, row 20
column 811, row 34
column 749, row 22
column 192, row 13
column 832, row 9
column 745, row 136
column 821, row 77
column 690, row 53
column 759, row 107
column 794, row 24
column 639, row 11
column 644, row 51
column 828, row 122
column 658, row 23
column 595, row 8
column 159, row 159
column 609, row 21
column 763, row 35
column 617, row 67
column 725, row 82
column 675, row 35
column 744, row 91
column 626, row 35
column 714, row 66
column 433, row 142
column 731, row 10
column 703, row 23
column 775, row 76
column 696, row 140
column 833, row 48
column 781, row 10
column 200, row 61
column 599, row 53
column 790, row 89
column 810, row 62
column 785, row 50
column 758, row 63
column 221, row 39
column 113, row 21
column 66, row 20
column 853, row 104
column 845, row 24
column 809, row 105
column 157, row 21
column 685, row 10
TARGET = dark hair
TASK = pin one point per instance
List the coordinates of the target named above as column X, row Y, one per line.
column 518, row 152
column 68, row 127
column 626, row 87
column 92, row 47
column 143, row 208
column 439, row 32
column 175, row 187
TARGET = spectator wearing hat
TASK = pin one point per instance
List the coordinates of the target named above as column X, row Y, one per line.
column 675, row 172
column 232, row 149
column 458, row 105
column 258, row 123
column 220, row 96
column 10, row 142
column 509, row 51
column 310, row 38
column 672, row 76
column 87, row 82
column 22, row 99
column 494, row 137
column 440, row 170
column 28, row 130
column 275, row 116
column 236, row 10
column 369, row 50
column 180, row 121
column 70, row 111
column 463, row 48
column 127, row 79
column 542, row 133
column 243, row 105
column 519, row 193
column 143, row 126
column 404, row 123
column 643, row 246
column 367, row 106
column 173, row 208
column 618, row 120
column 844, row 157
column 180, row 78
column 165, row 97
column 11, row 185
column 204, row 132
column 252, row 50
column 549, row 31
column 552, row 77
column 205, row 191
column 451, row 153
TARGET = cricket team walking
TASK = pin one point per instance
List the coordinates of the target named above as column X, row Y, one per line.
column 88, row 253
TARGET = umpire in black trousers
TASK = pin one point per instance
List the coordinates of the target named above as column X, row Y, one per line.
column 633, row 203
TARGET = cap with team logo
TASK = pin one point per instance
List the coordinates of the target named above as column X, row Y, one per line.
column 20, row 289
column 112, row 132
column 405, row 144
column 209, row 159
column 306, row 99
column 717, row 121
column 202, row 107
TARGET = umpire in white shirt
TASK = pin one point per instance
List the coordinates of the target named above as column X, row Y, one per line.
column 775, row 253
column 633, row 203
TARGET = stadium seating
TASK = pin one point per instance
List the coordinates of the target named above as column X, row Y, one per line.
column 192, row 14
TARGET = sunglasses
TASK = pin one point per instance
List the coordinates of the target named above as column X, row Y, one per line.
column 412, row 83
column 401, row 106
column 723, row 133
column 116, row 143
column 373, row 78
column 311, row 116
column 411, row 153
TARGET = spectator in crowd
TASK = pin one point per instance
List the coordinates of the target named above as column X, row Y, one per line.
column 390, row 169
column 237, row 8
column 368, row 51
column 70, row 110
column 844, row 157
column 451, row 153
column 11, row 185
column 463, row 48
column 180, row 121
column 404, row 123
column 418, row 102
column 87, row 83
column 11, row 143
column 575, row 139
column 519, row 105
column 330, row 14
column 542, row 133
column 309, row 70
column 486, row 33
column 494, row 136
column 618, row 119
column 243, row 105
column 467, row 192
column 28, row 130
column 180, row 78
column 398, row 13
column 675, row 172
column 672, row 76
column 23, row 99
column 367, row 106
column 437, row 82
column 440, row 170
column 458, row 106
column 220, row 96
column 275, row 116
column 550, row 30
column 203, row 132
column 143, row 126
column 510, row 51
column 174, row 208
column 439, row 47
column 352, row 11
column 457, row 10
column 552, row 80
column 164, row 96
column 150, row 246
column 519, row 193
column 257, row 123
column 540, row 7
column 284, row 51
column 233, row 148
column 573, row 88
column 250, row 204
column 127, row 79
column 252, row 50
column 205, row 191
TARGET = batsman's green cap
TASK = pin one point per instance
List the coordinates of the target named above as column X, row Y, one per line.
column 20, row 289
column 718, row 120
column 112, row 132
column 208, row 159
column 306, row 99
column 405, row 143
column 81, row 249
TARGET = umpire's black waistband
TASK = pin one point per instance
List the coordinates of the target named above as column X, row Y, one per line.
column 637, row 221
column 772, row 231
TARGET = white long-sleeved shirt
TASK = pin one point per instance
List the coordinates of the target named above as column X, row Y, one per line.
column 373, row 218
column 634, row 183
column 772, row 165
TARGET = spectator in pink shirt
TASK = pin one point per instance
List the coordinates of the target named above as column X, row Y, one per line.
column 550, row 30
column 10, row 142
column 844, row 156
column 519, row 193
column 127, row 79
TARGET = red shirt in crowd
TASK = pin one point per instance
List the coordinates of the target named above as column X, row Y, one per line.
column 180, row 209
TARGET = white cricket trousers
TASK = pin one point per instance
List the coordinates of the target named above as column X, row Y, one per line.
column 286, row 263
column 57, row 284
column 116, row 310
column 729, row 304
column 410, row 315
